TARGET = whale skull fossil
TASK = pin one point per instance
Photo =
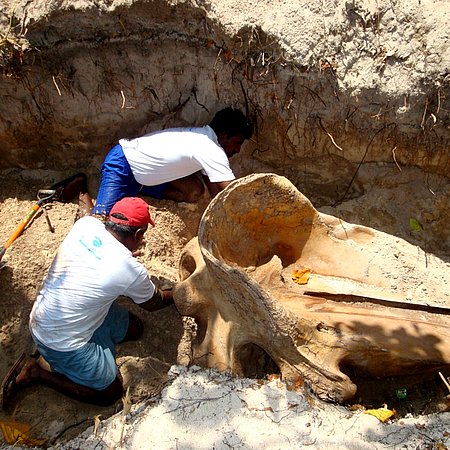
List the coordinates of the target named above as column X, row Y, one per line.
column 316, row 294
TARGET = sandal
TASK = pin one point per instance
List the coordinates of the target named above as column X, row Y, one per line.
column 8, row 387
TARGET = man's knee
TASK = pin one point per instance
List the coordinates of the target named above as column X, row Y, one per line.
column 188, row 189
column 195, row 193
column 135, row 328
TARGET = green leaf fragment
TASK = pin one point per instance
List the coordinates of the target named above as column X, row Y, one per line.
column 415, row 225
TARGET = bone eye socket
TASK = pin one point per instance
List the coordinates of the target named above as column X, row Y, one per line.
column 187, row 267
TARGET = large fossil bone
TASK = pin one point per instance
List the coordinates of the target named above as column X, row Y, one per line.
column 354, row 303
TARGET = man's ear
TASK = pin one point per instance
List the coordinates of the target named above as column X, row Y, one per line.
column 139, row 233
column 222, row 138
column 136, row 240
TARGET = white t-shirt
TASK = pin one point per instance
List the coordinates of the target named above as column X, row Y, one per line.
column 91, row 269
column 174, row 153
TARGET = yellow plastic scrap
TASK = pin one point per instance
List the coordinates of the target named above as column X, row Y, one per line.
column 382, row 414
column 301, row 276
column 17, row 433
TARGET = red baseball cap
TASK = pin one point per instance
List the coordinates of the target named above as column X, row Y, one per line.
column 134, row 209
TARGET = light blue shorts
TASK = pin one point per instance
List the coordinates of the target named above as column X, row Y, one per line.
column 94, row 364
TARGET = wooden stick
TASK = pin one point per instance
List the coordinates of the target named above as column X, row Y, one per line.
column 445, row 381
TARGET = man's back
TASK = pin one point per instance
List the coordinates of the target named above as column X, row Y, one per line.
column 174, row 153
column 91, row 269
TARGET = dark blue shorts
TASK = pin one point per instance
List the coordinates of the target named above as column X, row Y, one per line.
column 118, row 182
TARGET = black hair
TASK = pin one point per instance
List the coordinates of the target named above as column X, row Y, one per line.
column 233, row 122
column 124, row 231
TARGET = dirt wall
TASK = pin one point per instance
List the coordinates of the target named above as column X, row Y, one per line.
column 340, row 82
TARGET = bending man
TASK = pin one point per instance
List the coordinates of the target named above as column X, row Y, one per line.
column 165, row 164
column 75, row 321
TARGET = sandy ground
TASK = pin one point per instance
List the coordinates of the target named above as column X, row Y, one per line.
column 170, row 404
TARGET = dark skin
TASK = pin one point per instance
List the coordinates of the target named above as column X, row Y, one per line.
column 33, row 373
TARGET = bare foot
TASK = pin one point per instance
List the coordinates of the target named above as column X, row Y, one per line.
column 29, row 374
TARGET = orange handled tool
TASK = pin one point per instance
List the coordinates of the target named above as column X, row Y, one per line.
column 44, row 196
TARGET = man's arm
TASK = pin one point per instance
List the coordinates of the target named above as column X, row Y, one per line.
column 215, row 188
column 161, row 299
